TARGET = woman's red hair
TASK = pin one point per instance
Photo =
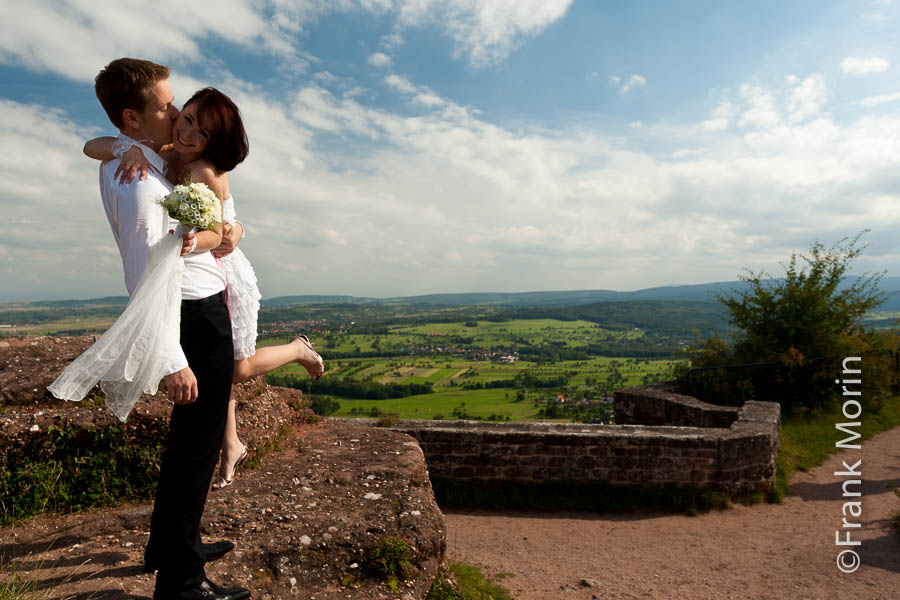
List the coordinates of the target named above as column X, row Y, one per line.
column 228, row 144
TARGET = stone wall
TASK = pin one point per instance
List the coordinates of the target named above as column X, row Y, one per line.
column 732, row 450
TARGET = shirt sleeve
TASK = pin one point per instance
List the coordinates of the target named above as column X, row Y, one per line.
column 179, row 360
column 142, row 223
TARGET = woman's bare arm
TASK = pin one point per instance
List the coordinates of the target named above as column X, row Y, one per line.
column 133, row 159
column 100, row 148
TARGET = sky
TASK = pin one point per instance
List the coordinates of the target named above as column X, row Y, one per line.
column 402, row 147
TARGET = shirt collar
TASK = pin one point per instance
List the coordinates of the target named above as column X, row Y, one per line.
column 156, row 161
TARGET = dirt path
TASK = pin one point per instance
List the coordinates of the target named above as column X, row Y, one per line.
column 762, row 551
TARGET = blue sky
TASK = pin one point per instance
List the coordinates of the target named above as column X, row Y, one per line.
column 415, row 146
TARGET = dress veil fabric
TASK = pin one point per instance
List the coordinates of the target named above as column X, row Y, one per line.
column 133, row 355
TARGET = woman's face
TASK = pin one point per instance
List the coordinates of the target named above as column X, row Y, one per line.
column 189, row 135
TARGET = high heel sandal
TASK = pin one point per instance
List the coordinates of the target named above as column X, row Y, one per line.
column 309, row 345
column 220, row 483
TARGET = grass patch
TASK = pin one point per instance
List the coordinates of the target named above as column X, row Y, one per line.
column 471, row 584
column 392, row 560
column 590, row 496
column 14, row 587
column 807, row 440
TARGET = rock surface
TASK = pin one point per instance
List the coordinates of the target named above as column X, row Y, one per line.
column 305, row 520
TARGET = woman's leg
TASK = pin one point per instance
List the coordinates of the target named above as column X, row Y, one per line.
column 270, row 358
column 232, row 449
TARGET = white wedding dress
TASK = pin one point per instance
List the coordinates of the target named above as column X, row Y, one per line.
column 243, row 294
column 133, row 355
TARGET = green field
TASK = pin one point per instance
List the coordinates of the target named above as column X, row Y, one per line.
column 487, row 334
column 479, row 403
column 588, row 379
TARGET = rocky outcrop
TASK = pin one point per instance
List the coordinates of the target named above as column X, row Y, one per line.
column 330, row 510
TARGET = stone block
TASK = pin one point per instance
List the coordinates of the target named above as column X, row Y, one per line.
column 463, row 472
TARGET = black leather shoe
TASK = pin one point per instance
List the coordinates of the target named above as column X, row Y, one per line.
column 205, row 590
column 213, row 551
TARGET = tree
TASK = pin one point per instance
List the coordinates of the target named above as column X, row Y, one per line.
column 803, row 322
column 807, row 314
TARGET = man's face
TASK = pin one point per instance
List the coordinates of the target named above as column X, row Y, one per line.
column 160, row 113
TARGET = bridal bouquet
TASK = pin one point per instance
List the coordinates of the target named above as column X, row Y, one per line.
column 194, row 205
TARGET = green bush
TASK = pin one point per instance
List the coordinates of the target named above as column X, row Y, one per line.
column 324, row 405
column 71, row 469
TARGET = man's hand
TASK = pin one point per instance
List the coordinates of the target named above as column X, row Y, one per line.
column 230, row 237
column 182, row 386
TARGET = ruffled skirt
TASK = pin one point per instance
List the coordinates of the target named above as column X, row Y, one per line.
column 243, row 302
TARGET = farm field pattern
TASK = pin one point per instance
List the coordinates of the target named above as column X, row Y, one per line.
column 469, row 355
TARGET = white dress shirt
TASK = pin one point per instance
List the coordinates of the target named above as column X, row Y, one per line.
column 138, row 221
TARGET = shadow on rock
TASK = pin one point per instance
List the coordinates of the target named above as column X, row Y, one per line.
column 102, row 595
column 10, row 551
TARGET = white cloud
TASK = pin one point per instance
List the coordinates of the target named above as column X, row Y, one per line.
column 379, row 59
column 883, row 99
column 51, row 206
column 807, row 98
column 629, row 84
column 721, row 117
column 401, row 84
column 761, row 112
column 41, row 36
column 485, row 31
column 633, row 82
column 444, row 201
column 422, row 95
column 863, row 66
column 428, row 99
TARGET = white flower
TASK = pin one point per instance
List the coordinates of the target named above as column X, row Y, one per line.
column 194, row 205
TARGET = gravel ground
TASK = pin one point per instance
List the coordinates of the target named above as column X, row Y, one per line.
column 761, row 551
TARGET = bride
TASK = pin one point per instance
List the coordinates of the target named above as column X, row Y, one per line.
column 209, row 140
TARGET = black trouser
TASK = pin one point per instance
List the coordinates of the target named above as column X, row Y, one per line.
column 196, row 435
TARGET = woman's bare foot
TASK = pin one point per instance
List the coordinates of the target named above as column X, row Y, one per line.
column 309, row 358
column 231, row 461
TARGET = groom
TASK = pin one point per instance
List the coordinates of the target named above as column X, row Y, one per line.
column 138, row 100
